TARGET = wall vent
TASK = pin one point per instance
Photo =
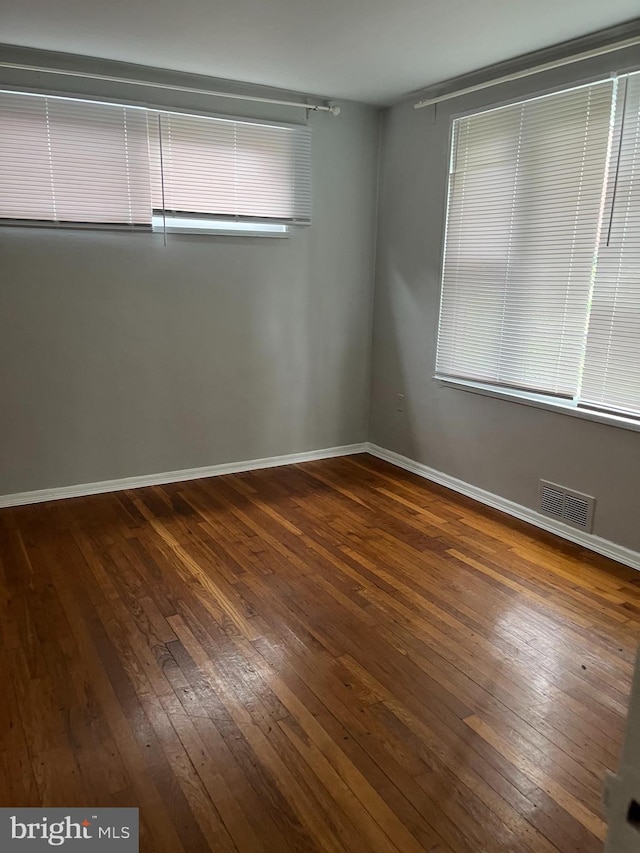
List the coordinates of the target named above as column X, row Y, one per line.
column 570, row 507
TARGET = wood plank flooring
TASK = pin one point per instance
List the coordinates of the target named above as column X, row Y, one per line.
column 335, row 656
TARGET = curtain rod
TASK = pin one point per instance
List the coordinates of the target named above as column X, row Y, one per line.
column 334, row 109
column 527, row 72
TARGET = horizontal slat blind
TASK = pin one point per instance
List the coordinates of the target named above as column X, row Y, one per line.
column 612, row 365
column 26, row 188
column 524, row 201
column 232, row 168
column 72, row 161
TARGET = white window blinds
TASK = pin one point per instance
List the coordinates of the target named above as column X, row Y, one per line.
column 612, row 364
column 525, row 196
column 234, row 169
column 80, row 162
column 69, row 161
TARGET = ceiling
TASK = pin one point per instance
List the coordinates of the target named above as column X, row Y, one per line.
column 366, row 50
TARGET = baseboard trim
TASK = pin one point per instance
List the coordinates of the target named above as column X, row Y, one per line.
column 41, row 495
column 586, row 540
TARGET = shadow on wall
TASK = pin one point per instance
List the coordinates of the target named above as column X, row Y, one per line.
column 128, row 358
column 138, row 359
column 407, row 282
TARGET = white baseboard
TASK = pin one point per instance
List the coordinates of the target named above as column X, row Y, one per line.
column 586, row 540
column 62, row 492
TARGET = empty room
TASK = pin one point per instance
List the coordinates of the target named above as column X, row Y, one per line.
column 320, row 426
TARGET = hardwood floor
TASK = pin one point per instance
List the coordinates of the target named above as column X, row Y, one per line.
column 331, row 656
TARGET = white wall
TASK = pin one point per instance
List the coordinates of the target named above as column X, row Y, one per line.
column 120, row 357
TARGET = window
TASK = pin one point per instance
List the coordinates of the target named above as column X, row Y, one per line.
column 74, row 162
column 541, row 271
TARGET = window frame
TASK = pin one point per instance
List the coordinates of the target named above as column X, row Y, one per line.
column 540, row 401
column 549, row 402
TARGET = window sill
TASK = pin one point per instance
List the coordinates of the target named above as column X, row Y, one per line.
column 540, row 401
column 204, row 226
